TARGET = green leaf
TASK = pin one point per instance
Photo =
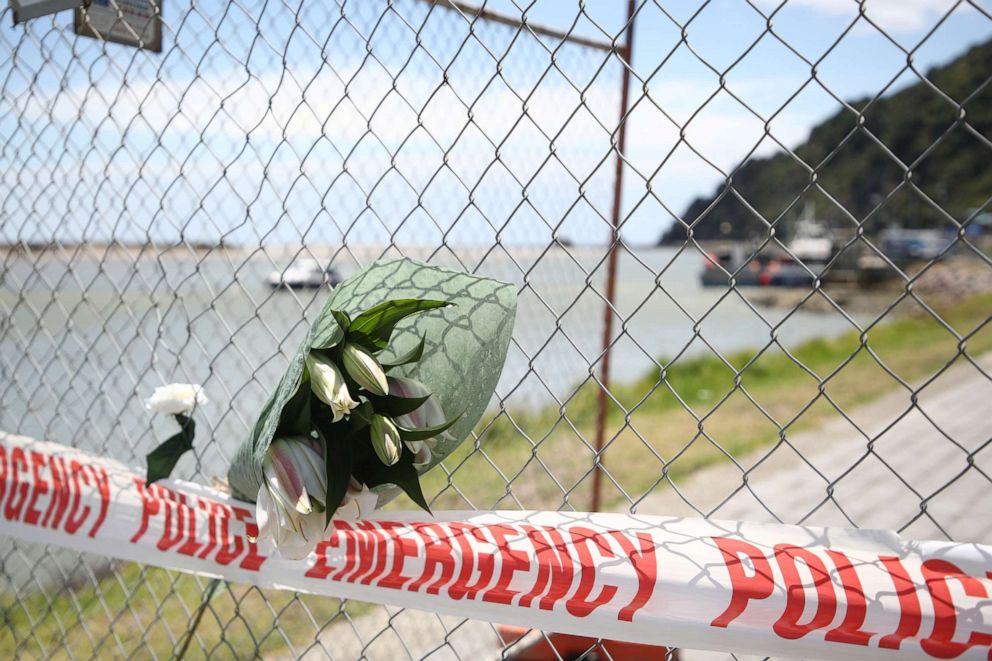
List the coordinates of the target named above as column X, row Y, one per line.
column 393, row 406
column 338, row 461
column 402, row 474
column 342, row 319
column 377, row 322
column 363, row 414
column 163, row 459
column 423, row 433
column 411, row 356
column 367, row 342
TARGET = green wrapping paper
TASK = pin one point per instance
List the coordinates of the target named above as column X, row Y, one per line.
column 466, row 345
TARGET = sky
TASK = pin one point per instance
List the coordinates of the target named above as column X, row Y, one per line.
column 360, row 123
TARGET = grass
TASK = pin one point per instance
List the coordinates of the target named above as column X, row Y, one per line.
column 673, row 422
column 664, row 424
column 144, row 612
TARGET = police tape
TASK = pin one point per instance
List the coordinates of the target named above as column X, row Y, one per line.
column 702, row 584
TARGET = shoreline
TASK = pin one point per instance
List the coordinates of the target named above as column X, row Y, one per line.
column 952, row 278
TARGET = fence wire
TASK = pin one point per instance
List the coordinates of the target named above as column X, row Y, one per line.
column 145, row 197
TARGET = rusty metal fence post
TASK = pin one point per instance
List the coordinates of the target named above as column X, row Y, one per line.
column 602, row 397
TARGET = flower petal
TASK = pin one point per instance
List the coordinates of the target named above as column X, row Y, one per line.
column 422, row 457
column 310, row 468
column 264, row 513
column 176, row 398
column 367, row 502
column 348, row 511
column 287, row 471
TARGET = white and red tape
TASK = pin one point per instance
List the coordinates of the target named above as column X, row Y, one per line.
column 704, row 584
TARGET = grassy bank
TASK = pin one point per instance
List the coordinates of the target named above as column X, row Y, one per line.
column 673, row 421
column 143, row 612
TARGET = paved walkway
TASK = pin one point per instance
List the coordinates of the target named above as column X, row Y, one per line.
column 916, row 478
column 395, row 634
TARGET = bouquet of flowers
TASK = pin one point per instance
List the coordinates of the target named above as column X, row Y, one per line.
column 392, row 377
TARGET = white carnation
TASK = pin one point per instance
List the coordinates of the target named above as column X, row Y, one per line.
column 176, row 398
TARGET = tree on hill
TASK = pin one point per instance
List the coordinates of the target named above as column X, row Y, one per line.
column 940, row 129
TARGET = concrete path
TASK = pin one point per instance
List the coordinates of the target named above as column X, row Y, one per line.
column 924, row 471
column 921, row 471
column 395, row 634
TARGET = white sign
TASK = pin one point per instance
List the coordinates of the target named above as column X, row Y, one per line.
column 702, row 584
column 131, row 22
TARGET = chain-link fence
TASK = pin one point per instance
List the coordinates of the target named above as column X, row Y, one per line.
column 774, row 213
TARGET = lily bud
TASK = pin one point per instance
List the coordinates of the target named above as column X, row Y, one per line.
column 386, row 440
column 328, row 384
column 365, row 369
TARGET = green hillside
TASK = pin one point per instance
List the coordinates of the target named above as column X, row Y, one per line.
column 859, row 174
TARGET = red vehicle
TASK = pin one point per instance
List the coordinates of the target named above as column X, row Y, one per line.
column 529, row 645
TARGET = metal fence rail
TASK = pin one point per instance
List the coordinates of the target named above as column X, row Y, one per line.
column 145, row 196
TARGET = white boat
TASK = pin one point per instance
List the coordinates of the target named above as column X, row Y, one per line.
column 812, row 242
column 306, row 273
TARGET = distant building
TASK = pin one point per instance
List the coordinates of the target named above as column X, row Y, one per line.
column 901, row 244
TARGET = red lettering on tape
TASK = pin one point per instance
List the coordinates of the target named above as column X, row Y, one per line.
column 102, row 481
column 72, row 522
column 11, row 511
column 849, row 630
column 745, row 585
column 437, row 556
column 910, row 615
column 511, row 561
column 939, row 643
column 59, row 502
column 555, row 571
column 33, row 514
column 788, row 625
column 402, row 547
column 645, row 565
column 580, row 605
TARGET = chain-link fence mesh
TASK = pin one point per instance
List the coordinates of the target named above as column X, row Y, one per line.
column 146, row 197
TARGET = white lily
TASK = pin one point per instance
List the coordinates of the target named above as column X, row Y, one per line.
column 328, row 384
column 176, row 398
column 290, row 503
column 295, row 467
column 386, row 440
column 421, row 451
column 364, row 369
column 358, row 503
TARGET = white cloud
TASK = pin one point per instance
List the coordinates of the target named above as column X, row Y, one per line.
column 890, row 15
column 204, row 130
